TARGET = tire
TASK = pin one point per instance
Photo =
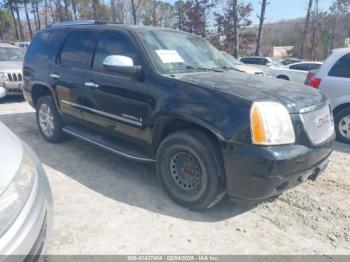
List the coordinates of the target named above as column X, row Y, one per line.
column 190, row 168
column 342, row 125
column 283, row 78
column 52, row 119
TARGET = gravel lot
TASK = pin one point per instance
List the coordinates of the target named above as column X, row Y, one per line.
column 108, row 205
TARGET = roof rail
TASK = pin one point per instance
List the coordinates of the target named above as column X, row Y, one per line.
column 79, row 22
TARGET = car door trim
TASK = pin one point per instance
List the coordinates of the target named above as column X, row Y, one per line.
column 123, row 119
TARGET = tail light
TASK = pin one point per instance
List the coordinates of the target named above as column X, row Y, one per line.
column 310, row 74
column 315, row 82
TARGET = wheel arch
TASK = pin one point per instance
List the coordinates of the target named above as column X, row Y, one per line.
column 167, row 125
column 39, row 90
column 341, row 107
column 283, row 77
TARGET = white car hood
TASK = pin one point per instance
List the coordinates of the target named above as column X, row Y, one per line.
column 11, row 152
column 8, row 66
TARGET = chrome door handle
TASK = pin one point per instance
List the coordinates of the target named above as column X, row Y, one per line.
column 92, row 85
column 55, row 76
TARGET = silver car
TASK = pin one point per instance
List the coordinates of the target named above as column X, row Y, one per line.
column 11, row 63
column 25, row 198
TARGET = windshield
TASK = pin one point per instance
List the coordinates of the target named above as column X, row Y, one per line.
column 232, row 59
column 182, row 52
column 11, row 54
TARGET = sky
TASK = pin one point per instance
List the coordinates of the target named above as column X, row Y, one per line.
column 285, row 9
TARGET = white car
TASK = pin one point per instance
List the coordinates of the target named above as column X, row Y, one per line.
column 23, row 45
column 263, row 63
column 296, row 72
column 333, row 79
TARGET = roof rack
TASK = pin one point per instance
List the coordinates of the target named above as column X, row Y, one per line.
column 79, row 22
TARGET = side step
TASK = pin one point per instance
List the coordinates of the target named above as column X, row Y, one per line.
column 109, row 143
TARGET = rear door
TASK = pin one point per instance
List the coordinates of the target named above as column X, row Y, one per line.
column 299, row 72
column 336, row 84
column 68, row 73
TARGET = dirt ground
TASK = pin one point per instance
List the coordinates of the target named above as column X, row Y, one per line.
column 104, row 204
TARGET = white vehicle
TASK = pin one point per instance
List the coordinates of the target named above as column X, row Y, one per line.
column 296, row 72
column 24, row 45
column 263, row 63
column 333, row 79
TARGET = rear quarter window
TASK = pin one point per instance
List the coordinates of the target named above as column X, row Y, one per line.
column 43, row 46
column 341, row 68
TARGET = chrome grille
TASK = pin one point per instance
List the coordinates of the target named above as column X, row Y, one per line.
column 14, row 77
column 319, row 124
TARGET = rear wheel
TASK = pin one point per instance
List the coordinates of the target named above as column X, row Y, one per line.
column 283, row 78
column 49, row 120
column 342, row 125
column 190, row 168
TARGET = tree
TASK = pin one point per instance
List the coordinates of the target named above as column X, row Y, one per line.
column 19, row 20
column 306, row 27
column 179, row 15
column 315, row 28
column 228, row 25
column 261, row 17
column 135, row 4
column 338, row 8
column 197, row 15
column 5, row 22
column 10, row 4
column 28, row 20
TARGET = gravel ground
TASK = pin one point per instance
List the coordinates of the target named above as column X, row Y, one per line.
column 108, row 205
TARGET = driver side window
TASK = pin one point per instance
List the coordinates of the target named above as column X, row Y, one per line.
column 114, row 43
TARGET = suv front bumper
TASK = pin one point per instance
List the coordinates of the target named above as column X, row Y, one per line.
column 260, row 172
column 13, row 88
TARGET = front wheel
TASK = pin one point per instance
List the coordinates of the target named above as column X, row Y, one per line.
column 189, row 165
column 342, row 125
column 49, row 120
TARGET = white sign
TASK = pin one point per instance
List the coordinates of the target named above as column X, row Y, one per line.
column 169, row 56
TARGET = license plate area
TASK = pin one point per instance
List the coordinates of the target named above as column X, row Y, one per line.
column 318, row 124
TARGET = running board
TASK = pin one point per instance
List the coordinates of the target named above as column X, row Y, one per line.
column 111, row 144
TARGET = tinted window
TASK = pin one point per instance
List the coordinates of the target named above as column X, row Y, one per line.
column 114, row 43
column 314, row 66
column 77, row 49
column 341, row 68
column 253, row 61
column 42, row 45
column 300, row 67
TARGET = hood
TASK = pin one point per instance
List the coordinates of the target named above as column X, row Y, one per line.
column 248, row 69
column 7, row 66
column 254, row 88
column 11, row 152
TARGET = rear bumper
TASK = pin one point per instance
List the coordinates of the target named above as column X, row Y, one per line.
column 258, row 173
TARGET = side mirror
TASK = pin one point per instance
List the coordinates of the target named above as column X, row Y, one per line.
column 121, row 64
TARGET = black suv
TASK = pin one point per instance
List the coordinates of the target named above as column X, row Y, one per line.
column 169, row 97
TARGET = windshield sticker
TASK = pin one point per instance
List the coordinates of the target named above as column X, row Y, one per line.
column 169, row 56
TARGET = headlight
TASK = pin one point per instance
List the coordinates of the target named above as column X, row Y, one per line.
column 3, row 77
column 17, row 193
column 271, row 124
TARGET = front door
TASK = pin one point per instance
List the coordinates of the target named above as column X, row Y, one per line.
column 121, row 103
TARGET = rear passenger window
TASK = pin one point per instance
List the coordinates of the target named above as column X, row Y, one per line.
column 114, row 43
column 77, row 49
column 300, row 67
column 43, row 45
column 341, row 68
